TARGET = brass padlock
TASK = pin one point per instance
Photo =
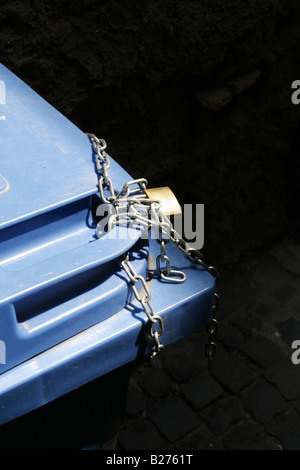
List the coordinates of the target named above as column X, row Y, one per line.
column 169, row 203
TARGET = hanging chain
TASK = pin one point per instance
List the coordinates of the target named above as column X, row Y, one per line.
column 211, row 347
column 102, row 166
column 144, row 299
column 132, row 206
column 197, row 257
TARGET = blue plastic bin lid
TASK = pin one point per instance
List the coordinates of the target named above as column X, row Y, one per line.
column 45, row 160
column 56, row 277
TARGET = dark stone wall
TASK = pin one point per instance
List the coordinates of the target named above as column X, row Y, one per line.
column 135, row 73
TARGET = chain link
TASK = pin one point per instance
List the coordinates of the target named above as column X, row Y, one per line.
column 166, row 272
column 102, row 167
column 144, row 299
column 132, row 206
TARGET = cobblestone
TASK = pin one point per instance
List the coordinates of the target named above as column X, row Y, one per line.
column 250, row 397
column 230, row 336
column 201, row 439
column 136, row 401
column 264, row 401
column 247, row 323
column 231, row 371
column 180, row 365
column 201, row 391
column 286, row 428
column 154, row 380
column 142, row 435
column 173, row 417
column 221, row 414
column 262, row 350
column 286, row 376
column 248, row 436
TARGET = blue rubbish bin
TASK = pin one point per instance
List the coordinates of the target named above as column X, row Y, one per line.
column 69, row 324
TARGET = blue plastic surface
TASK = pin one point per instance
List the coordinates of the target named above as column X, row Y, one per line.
column 56, row 277
column 119, row 339
column 67, row 314
column 45, row 160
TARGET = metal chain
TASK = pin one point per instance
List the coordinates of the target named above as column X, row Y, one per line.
column 211, row 347
column 148, row 213
column 132, row 206
column 197, row 257
column 144, row 300
column 102, row 167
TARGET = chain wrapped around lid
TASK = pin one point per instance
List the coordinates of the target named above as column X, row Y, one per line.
column 150, row 209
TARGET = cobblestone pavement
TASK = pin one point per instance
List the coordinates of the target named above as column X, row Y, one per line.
column 250, row 396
